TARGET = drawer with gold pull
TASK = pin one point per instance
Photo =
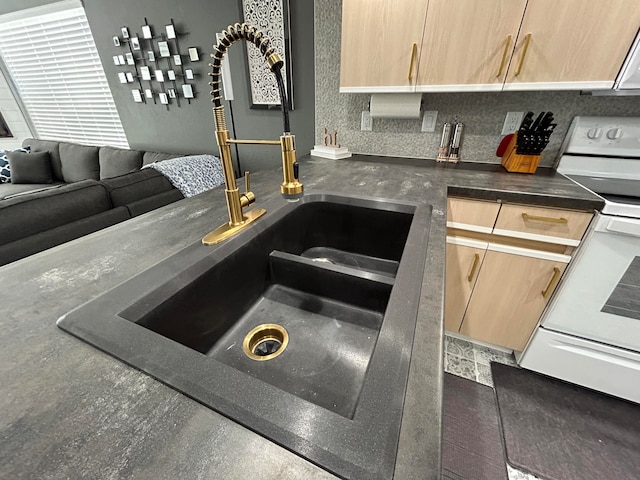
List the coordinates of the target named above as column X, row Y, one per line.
column 554, row 225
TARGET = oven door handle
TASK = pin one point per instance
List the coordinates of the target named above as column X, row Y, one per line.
column 627, row 227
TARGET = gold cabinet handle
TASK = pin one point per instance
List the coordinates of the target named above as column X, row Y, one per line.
column 414, row 52
column 504, row 56
column 527, row 39
column 526, row 216
column 554, row 278
column 474, row 265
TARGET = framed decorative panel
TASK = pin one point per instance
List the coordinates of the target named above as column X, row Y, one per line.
column 272, row 18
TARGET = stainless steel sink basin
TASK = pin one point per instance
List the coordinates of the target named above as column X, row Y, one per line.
column 300, row 328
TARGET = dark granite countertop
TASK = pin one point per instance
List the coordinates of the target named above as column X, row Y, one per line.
column 72, row 411
column 491, row 181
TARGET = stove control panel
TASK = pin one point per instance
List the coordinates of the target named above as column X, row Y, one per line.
column 616, row 136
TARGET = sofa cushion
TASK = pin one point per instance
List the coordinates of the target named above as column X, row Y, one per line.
column 50, row 209
column 79, row 162
column 30, row 167
column 135, row 186
column 5, row 168
column 150, row 157
column 47, row 146
column 116, row 161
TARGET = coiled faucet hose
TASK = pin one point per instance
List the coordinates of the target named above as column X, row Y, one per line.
column 255, row 36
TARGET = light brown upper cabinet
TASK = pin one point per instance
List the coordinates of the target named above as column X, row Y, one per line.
column 572, row 44
column 484, row 45
column 380, row 44
column 467, row 44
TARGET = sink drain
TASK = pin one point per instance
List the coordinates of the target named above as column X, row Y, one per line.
column 265, row 342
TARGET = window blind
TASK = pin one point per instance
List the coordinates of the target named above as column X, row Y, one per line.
column 53, row 62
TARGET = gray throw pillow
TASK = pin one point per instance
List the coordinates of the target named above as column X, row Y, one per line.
column 117, row 161
column 53, row 148
column 30, row 167
column 79, row 162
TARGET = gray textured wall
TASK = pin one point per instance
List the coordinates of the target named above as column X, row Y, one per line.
column 482, row 113
column 189, row 128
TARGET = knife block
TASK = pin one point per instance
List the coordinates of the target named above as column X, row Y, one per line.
column 515, row 162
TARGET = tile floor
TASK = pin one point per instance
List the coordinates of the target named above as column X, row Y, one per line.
column 471, row 361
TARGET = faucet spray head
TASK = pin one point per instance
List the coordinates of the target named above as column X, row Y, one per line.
column 291, row 188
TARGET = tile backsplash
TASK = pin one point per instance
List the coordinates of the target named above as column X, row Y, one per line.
column 482, row 113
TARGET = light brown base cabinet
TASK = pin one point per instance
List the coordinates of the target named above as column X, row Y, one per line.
column 464, row 259
column 498, row 286
column 511, row 292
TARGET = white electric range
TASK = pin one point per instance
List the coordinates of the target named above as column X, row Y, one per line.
column 590, row 333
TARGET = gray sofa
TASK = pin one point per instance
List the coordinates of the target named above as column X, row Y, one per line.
column 92, row 188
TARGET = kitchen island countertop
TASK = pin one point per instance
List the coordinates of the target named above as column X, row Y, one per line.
column 72, row 411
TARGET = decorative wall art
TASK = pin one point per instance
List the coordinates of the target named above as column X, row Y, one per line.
column 145, row 73
column 146, row 32
column 272, row 18
column 163, row 47
column 156, row 64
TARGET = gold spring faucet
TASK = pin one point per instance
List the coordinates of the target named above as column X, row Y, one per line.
column 290, row 188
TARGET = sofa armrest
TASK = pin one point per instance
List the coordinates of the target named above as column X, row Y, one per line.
column 151, row 203
column 27, row 215
column 136, row 186
column 24, row 247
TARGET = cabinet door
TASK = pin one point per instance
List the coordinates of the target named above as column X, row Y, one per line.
column 467, row 44
column 576, row 41
column 377, row 44
column 510, row 294
column 463, row 261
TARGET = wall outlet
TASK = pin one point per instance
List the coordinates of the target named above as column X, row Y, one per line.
column 429, row 121
column 366, row 122
column 512, row 122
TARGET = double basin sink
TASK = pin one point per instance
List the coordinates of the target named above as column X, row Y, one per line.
column 300, row 328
